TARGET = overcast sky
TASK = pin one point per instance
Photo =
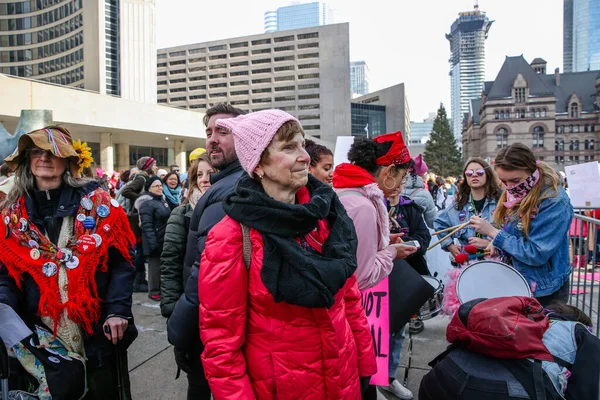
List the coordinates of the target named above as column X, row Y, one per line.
column 401, row 40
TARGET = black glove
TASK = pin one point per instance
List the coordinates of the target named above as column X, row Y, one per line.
column 364, row 384
column 182, row 359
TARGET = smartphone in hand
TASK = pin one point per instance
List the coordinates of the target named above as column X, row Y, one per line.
column 413, row 243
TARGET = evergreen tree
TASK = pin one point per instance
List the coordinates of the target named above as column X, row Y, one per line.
column 442, row 155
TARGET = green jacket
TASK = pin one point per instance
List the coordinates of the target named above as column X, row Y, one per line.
column 172, row 280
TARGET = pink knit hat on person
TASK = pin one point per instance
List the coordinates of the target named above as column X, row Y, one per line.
column 419, row 166
column 252, row 134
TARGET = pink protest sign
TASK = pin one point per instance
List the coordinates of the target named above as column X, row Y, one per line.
column 376, row 302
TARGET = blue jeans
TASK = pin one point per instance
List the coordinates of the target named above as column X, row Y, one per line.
column 396, row 342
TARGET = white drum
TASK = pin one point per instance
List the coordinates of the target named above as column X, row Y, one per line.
column 490, row 279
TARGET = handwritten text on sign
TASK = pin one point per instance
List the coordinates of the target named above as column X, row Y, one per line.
column 376, row 302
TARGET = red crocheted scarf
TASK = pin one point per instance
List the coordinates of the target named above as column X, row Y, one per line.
column 83, row 305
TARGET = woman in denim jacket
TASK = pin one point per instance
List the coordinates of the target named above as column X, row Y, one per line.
column 534, row 215
column 477, row 195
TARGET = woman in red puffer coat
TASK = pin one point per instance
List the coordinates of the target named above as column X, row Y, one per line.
column 291, row 326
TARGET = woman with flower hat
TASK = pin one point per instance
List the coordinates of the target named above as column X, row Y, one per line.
column 532, row 222
column 65, row 260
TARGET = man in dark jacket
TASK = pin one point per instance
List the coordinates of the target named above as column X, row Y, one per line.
column 182, row 326
column 132, row 190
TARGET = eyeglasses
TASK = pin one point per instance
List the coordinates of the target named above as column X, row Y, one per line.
column 156, row 186
column 469, row 173
column 38, row 153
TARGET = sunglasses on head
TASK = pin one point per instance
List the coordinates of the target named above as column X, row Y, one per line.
column 469, row 173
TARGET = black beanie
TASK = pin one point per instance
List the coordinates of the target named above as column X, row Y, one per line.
column 150, row 181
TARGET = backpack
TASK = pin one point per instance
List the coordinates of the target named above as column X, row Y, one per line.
column 126, row 203
column 503, row 327
column 509, row 331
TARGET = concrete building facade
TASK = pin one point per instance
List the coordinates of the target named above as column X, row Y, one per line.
column 557, row 115
column 106, row 46
column 467, row 62
column 359, row 78
column 297, row 16
column 397, row 111
column 305, row 72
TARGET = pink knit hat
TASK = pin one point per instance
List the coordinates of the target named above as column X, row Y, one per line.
column 252, row 134
column 419, row 166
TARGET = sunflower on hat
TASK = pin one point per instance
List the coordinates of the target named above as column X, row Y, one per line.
column 85, row 154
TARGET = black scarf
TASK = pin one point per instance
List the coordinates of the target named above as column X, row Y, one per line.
column 290, row 272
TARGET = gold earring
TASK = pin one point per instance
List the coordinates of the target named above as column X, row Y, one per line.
column 393, row 179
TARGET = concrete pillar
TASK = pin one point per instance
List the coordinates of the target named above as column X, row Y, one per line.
column 180, row 155
column 122, row 156
column 170, row 154
column 107, row 155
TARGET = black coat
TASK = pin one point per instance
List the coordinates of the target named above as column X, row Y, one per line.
column 115, row 286
column 182, row 327
column 154, row 214
column 172, row 280
column 410, row 220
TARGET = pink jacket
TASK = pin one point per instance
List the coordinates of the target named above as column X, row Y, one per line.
column 375, row 256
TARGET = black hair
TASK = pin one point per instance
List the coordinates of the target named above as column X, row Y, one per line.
column 221, row 108
column 364, row 153
column 316, row 151
column 164, row 180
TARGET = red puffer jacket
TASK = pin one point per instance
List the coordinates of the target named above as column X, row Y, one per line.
column 258, row 349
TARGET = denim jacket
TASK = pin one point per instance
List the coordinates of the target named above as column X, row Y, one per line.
column 451, row 216
column 543, row 256
column 559, row 339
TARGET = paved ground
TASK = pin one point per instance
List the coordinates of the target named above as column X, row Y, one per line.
column 152, row 367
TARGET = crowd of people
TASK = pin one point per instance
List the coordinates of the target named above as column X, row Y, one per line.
column 260, row 253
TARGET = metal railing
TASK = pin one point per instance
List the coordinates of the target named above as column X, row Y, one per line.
column 585, row 277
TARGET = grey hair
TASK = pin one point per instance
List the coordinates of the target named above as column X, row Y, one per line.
column 25, row 182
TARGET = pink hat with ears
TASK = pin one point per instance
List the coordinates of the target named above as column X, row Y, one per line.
column 252, row 134
column 419, row 166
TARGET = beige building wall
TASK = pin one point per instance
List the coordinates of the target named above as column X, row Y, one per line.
column 397, row 111
column 94, row 48
column 305, row 72
column 138, row 50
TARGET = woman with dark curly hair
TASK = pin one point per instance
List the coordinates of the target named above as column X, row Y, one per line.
column 321, row 161
column 377, row 168
column 477, row 195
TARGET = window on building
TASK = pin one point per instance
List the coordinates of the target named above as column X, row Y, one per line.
column 238, row 83
column 308, row 107
column 523, row 113
column 576, row 144
column 177, row 90
column 284, row 39
column 312, row 116
column 177, row 71
column 309, row 86
column 308, row 55
column 263, row 90
column 538, row 113
column 520, row 96
column 308, row 76
column 261, row 41
column 570, row 158
column 574, row 110
column 177, row 53
column 197, row 96
column 261, row 51
column 239, row 102
column 180, row 62
column 559, row 159
column 570, row 128
column 308, row 96
column 586, row 158
column 284, row 88
column 283, row 48
column 586, row 144
column 197, row 59
column 593, row 128
column 265, row 100
column 238, row 64
column 238, row 54
column 586, row 128
column 197, row 51
column 576, row 129
column 197, row 78
column 305, row 66
column 218, row 57
column 532, row 113
column 284, row 78
column 497, row 115
column 561, row 129
column 308, row 45
column 285, row 58
column 218, row 85
column 219, row 76
column 592, row 144
column 284, row 68
column 538, row 137
column 238, row 73
column 238, row 45
column 285, row 98
column 261, row 71
column 501, row 138
column 502, row 114
column 239, row 92
column 262, row 80
column 507, row 114
column 571, row 144
column 543, row 112
column 217, row 66
column 308, row 35
column 261, row 61
column 199, row 87
column 559, row 145
column 173, row 99
column 217, row 48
